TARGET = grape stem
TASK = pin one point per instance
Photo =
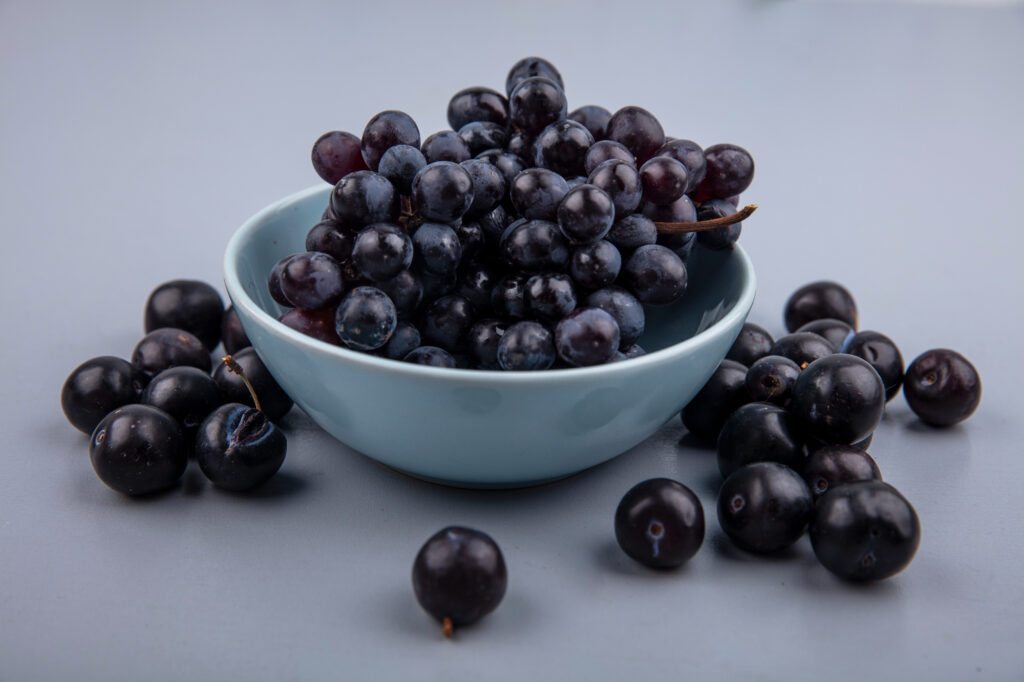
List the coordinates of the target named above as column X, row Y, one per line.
column 447, row 627
column 233, row 366
column 704, row 225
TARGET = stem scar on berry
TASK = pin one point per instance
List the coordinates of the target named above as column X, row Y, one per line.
column 704, row 225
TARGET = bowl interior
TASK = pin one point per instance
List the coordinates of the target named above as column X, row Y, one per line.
column 717, row 280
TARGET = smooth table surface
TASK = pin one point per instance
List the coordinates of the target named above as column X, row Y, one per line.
column 136, row 137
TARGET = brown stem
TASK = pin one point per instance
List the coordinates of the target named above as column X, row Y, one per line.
column 233, row 366
column 704, row 225
column 447, row 627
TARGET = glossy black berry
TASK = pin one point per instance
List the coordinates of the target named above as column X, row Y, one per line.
column 238, row 448
column 97, row 387
column 638, row 130
column 384, row 131
column 332, row 238
column 489, row 186
column 587, row 336
column 803, row 348
column 477, row 104
column 363, row 198
column 537, row 192
column 660, row 523
column 607, row 150
column 231, row 333
column 839, row 398
column 509, row 164
column 365, row 319
column 186, row 304
column 562, row 147
column 595, row 265
column 336, row 154
column 169, row 347
column 437, row 247
column 881, row 353
column 624, row 308
column 446, row 321
column 593, row 118
column 723, row 393
column 442, row 191
column 432, row 356
column 481, row 136
column 621, row 182
column 445, row 146
column 719, row 238
column 186, row 393
column 138, row 450
column 526, row 346
column 475, row 285
column 459, row 576
column 405, row 292
column 317, row 324
column 529, row 67
column 865, row 531
column 312, row 280
column 508, row 299
column 760, row 432
column 730, row 170
column 771, row 379
column 535, row 245
column 536, row 103
column 482, row 342
column 273, row 400
column 689, row 154
column 942, row 387
column 403, row 341
column 382, row 251
column 664, row 180
column 764, row 507
column 550, row 296
column 753, row 343
column 835, row 465
column 655, row 275
column 274, row 282
column 819, row 300
column 632, row 232
column 400, row 164
column 585, row 214
column 836, row 332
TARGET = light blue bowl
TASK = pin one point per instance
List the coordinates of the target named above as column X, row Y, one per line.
column 479, row 428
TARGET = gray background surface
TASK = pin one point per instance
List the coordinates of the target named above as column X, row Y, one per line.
column 136, row 137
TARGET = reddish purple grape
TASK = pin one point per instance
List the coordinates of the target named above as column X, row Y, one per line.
column 318, row 324
column 384, row 131
column 336, row 154
column 663, row 179
column 638, row 130
column 730, row 170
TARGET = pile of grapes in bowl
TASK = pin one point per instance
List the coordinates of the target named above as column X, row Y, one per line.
column 526, row 295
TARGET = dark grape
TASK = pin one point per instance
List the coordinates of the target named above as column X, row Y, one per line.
column 593, row 118
column 803, row 348
column 509, row 296
column 562, row 147
column 494, row 224
column 274, row 402
column 723, row 393
column 521, row 146
column 186, row 393
column 550, row 296
column 477, row 104
column 621, row 181
column 587, row 336
column 753, row 343
column 317, row 324
column 435, row 285
column 459, row 576
column 632, row 232
column 536, row 103
column 186, row 304
column 381, row 251
column 607, row 150
column 627, row 312
column 336, row 154
column 405, row 292
column 720, row 238
column 442, row 191
column 432, row 356
column 537, row 192
column 238, row 448
column 655, row 275
column 764, row 507
column 437, row 247
column 312, row 280
column 836, row 332
column 526, row 346
column 97, row 387
column 840, row 398
column 384, row 131
column 660, row 523
column 942, row 387
column 446, row 321
column 331, row 238
column 400, row 164
column 138, row 450
column 529, row 67
column 363, row 198
column 681, row 210
column 690, row 155
column 445, row 146
column 231, row 333
column 881, row 353
column 865, row 531
column 835, row 465
column 730, row 170
column 476, row 285
column 471, row 238
column 760, row 432
column 366, row 318
column 535, row 245
column 481, row 136
column 771, row 379
column 274, row 282
column 169, row 347
column 482, row 342
column 488, row 186
column 510, row 165
column 663, row 179
column 595, row 265
column 819, row 300
column 638, row 130
column 585, row 214
column 403, row 341
column 633, row 351
column 680, row 244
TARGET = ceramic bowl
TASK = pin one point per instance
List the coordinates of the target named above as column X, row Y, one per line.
column 479, row 428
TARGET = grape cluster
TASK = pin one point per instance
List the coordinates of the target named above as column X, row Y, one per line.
column 792, row 419
column 524, row 238
column 147, row 416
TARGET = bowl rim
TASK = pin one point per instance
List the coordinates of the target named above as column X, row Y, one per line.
column 240, row 298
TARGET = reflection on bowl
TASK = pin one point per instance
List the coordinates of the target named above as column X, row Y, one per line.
column 482, row 428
